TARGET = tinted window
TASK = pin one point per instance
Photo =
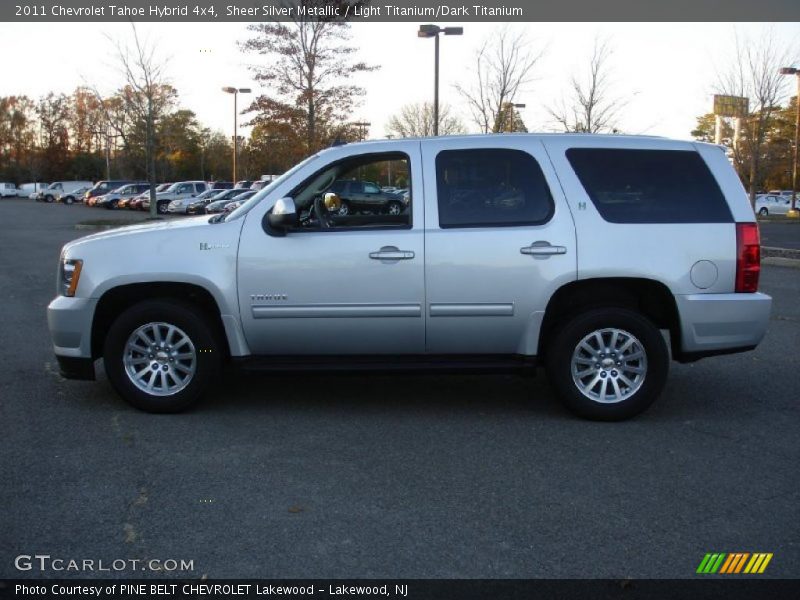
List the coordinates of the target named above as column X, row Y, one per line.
column 370, row 188
column 491, row 187
column 650, row 186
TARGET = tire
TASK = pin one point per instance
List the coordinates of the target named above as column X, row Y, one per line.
column 161, row 208
column 344, row 209
column 111, row 204
column 763, row 212
column 176, row 389
column 49, row 199
column 567, row 358
column 68, row 200
column 394, row 208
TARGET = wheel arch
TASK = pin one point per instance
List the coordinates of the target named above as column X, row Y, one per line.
column 117, row 299
column 647, row 296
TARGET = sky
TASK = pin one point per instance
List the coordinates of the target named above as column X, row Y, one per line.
column 665, row 73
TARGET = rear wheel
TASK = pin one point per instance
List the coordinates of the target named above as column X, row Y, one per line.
column 763, row 212
column 608, row 364
column 49, row 198
column 160, row 355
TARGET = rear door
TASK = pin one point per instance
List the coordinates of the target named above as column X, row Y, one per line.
column 499, row 240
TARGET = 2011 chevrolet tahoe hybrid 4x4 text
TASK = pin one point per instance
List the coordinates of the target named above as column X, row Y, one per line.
column 598, row 256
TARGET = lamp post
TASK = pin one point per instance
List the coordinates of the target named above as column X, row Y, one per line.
column 796, row 73
column 511, row 109
column 235, row 92
column 427, row 31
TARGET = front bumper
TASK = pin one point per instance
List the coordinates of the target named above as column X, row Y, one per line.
column 722, row 323
column 70, row 324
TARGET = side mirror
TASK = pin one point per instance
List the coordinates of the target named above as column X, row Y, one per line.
column 283, row 215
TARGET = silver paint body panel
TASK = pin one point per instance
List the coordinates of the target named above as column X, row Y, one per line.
column 437, row 291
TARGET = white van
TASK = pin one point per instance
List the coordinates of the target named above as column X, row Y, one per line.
column 31, row 190
column 55, row 189
column 8, row 190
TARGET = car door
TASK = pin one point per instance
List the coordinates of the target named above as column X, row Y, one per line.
column 346, row 290
column 499, row 240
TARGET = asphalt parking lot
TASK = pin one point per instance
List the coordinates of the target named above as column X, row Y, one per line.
column 409, row 476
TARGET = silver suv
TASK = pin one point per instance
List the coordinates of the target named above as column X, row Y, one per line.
column 599, row 257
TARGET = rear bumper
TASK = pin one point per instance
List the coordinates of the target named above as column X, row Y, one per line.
column 721, row 323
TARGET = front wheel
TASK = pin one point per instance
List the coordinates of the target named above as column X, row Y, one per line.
column 394, row 208
column 160, row 355
column 763, row 212
column 161, row 208
column 608, row 364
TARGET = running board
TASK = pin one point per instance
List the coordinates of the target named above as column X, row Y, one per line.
column 397, row 363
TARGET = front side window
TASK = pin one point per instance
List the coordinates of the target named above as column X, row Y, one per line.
column 649, row 186
column 344, row 195
column 491, row 188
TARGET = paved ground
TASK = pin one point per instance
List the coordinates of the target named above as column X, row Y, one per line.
column 780, row 235
column 379, row 476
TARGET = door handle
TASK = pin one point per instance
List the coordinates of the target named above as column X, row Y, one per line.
column 542, row 248
column 391, row 253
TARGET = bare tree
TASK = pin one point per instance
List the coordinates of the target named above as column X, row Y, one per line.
column 146, row 96
column 416, row 120
column 754, row 74
column 591, row 107
column 307, row 65
column 504, row 66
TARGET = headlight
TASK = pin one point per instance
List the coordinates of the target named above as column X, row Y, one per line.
column 70, row 274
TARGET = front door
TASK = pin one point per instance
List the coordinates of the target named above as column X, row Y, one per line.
column 338, row 284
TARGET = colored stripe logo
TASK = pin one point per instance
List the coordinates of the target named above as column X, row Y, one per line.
column 734, row 562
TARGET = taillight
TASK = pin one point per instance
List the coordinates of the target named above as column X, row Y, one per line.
column 748, row 257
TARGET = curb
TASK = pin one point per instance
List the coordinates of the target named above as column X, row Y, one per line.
column 777, row 261
column 772, row 252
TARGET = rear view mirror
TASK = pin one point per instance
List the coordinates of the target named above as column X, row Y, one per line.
column 283, row 215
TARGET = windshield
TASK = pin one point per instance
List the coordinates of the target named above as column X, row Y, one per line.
column 250, row 203
column 172, row 188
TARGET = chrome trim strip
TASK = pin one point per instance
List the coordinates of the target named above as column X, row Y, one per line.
column 324, row 311
column 472, row 310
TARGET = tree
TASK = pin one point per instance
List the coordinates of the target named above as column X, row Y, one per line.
column 503, row 67
column 146, row 96
column 591, row 109
column 53, row 112
column 307, row 67
column 416, row 120
column 754, row 74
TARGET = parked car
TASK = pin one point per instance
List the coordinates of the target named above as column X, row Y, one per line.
column 178, row 190
column 245, row 184
column 597, row 257
column 221, row 185
column 135, row 203
column 103, row 187
column 130, row 190
column 771, row 204
column 218, row 201
column 181, row 205
column 8, row 190
column 73, row 196
column 239, row 200
column 52, row 191
column 358, row 196
column 31, row 190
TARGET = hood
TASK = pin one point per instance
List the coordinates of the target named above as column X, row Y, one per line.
column 141, row 229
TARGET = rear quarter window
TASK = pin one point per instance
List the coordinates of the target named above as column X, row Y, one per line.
column 650, row 186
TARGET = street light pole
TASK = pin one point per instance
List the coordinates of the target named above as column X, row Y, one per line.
column 511, row 109
column 235, row 92
column 427, row 31
column 796, row 73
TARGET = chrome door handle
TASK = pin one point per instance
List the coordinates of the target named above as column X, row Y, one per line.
column 542, row 248
column 391, row 253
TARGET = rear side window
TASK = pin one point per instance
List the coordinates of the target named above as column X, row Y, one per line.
column 650, row 186
column 491, row 188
